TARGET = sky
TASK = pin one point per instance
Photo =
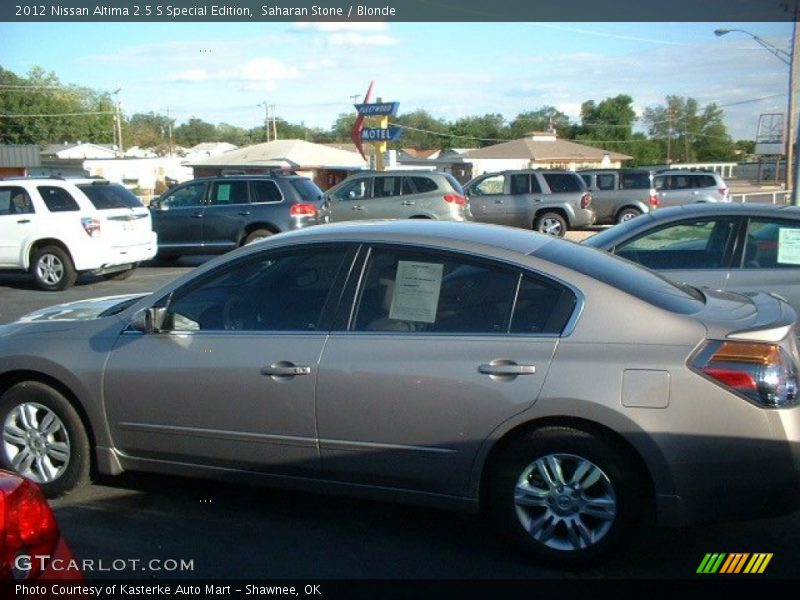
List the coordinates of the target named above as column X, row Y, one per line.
column 225, row 72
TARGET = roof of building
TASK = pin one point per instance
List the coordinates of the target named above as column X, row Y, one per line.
column 295, row 154
column 544, row 150
column 12, row 156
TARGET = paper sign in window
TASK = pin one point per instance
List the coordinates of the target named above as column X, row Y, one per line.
column 224, row 193
column 789, row 246
column 416, row 291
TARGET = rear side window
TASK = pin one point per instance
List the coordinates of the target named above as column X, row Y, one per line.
column 266, row 191
column 563, row 182
column 424, row 184
column 105, row 197
column 704, row 181
column 308, row 190
column 605, row 181
column 386, row 187
column 228, row 192
column 520, row 184
column 57, row 199
column 635, row 181
column 15, row 201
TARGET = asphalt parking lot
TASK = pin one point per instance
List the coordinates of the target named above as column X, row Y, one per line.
column 143, row 523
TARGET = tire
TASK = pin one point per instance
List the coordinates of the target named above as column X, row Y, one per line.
column 44, row 439
column 258, row 234
column 626, row 214
column 52, row 269
column 121, row 275
column 551, row 223
column 167, row 256
column 566, row 496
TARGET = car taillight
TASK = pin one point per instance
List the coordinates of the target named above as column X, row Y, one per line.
column 27, row 527
column 303, row 210
column 653, row 199
column 725, row 192
column 761, row 372
column 456, row 199
column 91, row 226
column 586, row 200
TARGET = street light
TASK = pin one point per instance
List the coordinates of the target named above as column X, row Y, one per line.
column 792, row 60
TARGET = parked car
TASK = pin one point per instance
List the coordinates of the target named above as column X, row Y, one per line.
column 675, row 187
column 733, row 247
column 557, row 387
column 32, row 548
column 548, row 201
column 620, row 194
column 57, row 229
column 213, row 215
column 398, row 195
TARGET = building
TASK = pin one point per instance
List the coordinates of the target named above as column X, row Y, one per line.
column 327, row 166
column 17, row 161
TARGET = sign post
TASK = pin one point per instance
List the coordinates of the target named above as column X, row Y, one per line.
column 378, row 133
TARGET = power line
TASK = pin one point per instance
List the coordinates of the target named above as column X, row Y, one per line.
column 75, row 114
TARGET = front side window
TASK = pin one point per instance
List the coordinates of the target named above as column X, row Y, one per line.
column 57, row 199
column 488, row 186
column 276, row 291
column 687, row 245
column 358, row 189
column 184, row 197
column 14, row 200
column 442, row 293
column 772, row 244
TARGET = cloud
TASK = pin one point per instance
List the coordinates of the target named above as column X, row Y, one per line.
column 347, row 26
column 353, row 34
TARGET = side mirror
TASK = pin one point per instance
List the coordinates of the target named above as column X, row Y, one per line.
column 148, row 320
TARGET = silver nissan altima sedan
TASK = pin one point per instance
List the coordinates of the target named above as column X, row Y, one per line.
column 460, row 365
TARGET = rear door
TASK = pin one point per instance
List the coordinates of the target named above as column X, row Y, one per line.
column 440, row 349
column 17, row 222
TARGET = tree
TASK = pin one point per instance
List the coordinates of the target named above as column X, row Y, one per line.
column 195, row 131
column 610, row 120
column 479, row 131
column 542, row 119
column 424, row 131
column 148, row 130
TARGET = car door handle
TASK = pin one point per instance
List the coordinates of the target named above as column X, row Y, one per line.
column 23, row 221
column 197, row 216
column 284, row 369
column 498, row 201
column 408, row 203
column 507, row 369
column 244, row 213
column 357, row 207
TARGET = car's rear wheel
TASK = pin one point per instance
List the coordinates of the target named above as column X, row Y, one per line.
column 567, row 496
column 43, row 438
column 258, row 234
column 52, row 269
column 626, row 214
column 551, row 223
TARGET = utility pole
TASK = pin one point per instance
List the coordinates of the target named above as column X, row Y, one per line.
column 265, row 104
column 169, row 132
column 274, row 123
column 355, row 98
column 669, row 136
column 119, row 126
column 793, row 123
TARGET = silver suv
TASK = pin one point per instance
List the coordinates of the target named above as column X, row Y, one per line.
column 549, row 201
column 676, row 187
column 398, row 195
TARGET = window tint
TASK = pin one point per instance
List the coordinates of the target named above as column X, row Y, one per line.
column 272, row 292
column 108, row 196
column 265, row 190
column 563, row 182
column 520, row 184
column 385, row 187
column 308, row 190
column 228, row 192
column 542, row 307
column 493, row 184
column 587, row 179
column 15, row 201
column 606, row 181
column 635, row 181
column 687, row 245
column 704, row 181
column 772, row 245
column 57, row 199
column 189, row 195
column 536, row 188
column 424, row 184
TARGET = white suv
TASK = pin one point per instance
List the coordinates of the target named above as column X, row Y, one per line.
column 57, row 228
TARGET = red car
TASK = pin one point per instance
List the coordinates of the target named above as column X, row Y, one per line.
column 32, row 548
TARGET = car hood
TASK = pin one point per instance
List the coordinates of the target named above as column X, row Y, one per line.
column 81, row 310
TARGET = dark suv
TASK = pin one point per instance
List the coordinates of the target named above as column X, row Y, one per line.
column 212, row 215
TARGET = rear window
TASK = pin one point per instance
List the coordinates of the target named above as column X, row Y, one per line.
column 307, row 189
column 626, row 276
column 106, row 197
column 563, row 182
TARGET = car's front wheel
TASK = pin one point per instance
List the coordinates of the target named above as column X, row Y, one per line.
column 567, row 496
column 43, row 438
column 551, row 223
column 52, row 269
